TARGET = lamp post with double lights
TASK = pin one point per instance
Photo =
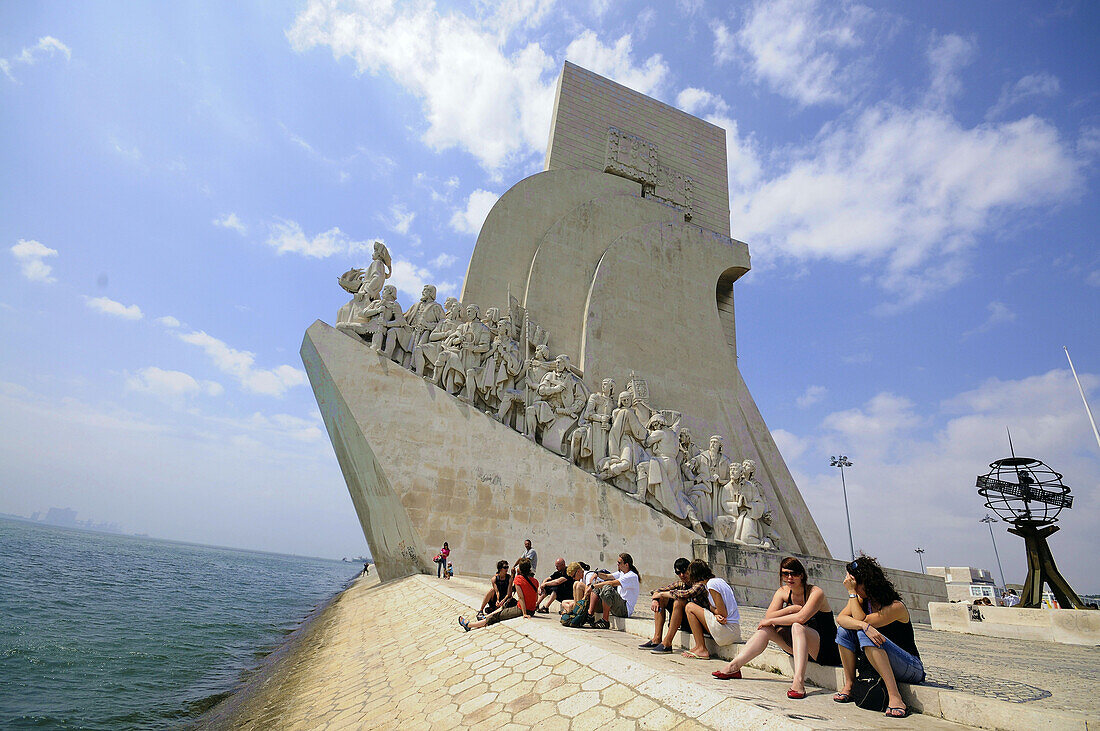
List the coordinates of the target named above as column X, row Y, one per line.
column 842, row 462
column 920, row 554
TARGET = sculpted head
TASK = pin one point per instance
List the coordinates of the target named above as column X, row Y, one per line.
column 542, row 352
column 472, row 311
column 624, row 399
column 561, row 363
column 685, row 436
column 492, row 316
column 428, row 293
column 657, row 421
column 748, row 468
column 716, row 444
column 450, row 305
column 607, row 385
column 389, row 293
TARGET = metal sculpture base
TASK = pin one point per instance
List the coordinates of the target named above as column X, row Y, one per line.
column 1041, row 568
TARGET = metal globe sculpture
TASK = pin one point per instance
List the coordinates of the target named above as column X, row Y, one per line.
column 1028, row 494
column 1021, row 488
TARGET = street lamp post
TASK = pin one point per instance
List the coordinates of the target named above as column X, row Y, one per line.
column 843, row 462
column 920, row 554
column 990, row 521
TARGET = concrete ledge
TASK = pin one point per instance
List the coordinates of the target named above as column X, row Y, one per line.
column 1066, row 626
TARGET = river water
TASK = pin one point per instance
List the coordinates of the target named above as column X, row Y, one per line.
column 102, row 631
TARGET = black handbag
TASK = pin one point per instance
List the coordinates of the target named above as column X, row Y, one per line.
column 870, row 694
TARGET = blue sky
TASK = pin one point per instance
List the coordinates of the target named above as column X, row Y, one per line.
column 183, row 183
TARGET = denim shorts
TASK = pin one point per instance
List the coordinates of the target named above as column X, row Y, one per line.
column 907, row 668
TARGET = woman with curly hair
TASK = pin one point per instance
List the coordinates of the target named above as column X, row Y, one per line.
column 876, row 622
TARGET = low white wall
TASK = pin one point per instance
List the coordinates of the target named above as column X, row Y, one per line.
column 1067, row 626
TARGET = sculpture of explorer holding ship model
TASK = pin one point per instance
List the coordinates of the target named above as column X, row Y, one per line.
column 488, row 362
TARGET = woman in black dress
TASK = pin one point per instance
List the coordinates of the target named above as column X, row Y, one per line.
column 800, row 621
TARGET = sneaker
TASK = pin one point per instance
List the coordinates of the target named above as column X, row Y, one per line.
column 601, row 624
column 660, row 649
column 648, row 645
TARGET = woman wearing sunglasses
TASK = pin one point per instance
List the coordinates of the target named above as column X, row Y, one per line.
column 799, row 621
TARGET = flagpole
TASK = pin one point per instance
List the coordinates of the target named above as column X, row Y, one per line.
column 1088, row 411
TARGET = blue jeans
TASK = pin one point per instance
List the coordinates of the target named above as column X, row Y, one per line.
column 907, row 668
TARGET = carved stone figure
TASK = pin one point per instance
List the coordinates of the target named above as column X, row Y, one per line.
column 378, row 272
column 464, row 349
column 710, row 470
column 589, row 441
column 752, row 526
column 626, row 447
column 487, row 384
column 428, row 351
column 352, row 281
column 688, row 452
column 424, row 316
column 666, row 482
column 385, row 326
column 561, row 398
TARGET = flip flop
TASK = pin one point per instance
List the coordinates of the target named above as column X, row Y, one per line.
column 842, row 698
column 692, row 656
column 795, row 695
column 900, row 712
column 727, row 676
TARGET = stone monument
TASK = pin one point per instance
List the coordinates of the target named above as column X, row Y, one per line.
column 613, row 265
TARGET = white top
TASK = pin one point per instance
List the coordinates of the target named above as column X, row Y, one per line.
column 733, row 616
column 589, row 578
column 629, row 587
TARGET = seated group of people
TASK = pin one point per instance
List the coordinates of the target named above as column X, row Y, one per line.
column 799, row 618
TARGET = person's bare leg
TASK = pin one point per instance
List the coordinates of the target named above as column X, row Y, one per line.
column 659, row 621
column 674, row 621
column 848, row 660
column 878, row 659
column 756, row 644
column 696, row 620
column 489, row 596
column 804, row 642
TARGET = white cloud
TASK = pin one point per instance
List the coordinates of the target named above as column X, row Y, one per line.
column 410, row 279
column 811, row 396
column 478, row 205
column 483, row 89
column 1093, row 278
column 232, row 222
column 444, row 261
column 1028, row 88
column 946, row 55
column 999, row 313
column 1088, row 141
column 116, row 309
column 916, row 486
column 790, row 446
column 800, row 48
column 693, row 101
column 47, row 45
column 241, row 364
column 900, row 187
column 30, row 255
column 400, row 218
column 287, row 237
column 172, row 386
column 168, row 321
column 616, row 62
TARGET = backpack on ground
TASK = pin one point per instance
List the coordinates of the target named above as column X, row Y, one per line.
column 577, row 616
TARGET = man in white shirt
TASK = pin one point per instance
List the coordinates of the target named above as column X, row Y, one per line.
column 529, row 554
column 614, row 593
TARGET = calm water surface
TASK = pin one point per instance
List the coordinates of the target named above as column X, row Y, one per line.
column 115, row 632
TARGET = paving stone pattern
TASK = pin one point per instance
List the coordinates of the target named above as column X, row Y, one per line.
column 393, row 656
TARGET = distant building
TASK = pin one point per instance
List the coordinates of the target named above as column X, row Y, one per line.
column 966, row 583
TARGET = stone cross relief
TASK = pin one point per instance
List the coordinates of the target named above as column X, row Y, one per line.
column 499, row 362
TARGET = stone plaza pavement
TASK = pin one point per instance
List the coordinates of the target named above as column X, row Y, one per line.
column 393, row 656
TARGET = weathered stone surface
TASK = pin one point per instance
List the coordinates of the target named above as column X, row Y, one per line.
column 1067, row 626
column 482, row 487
